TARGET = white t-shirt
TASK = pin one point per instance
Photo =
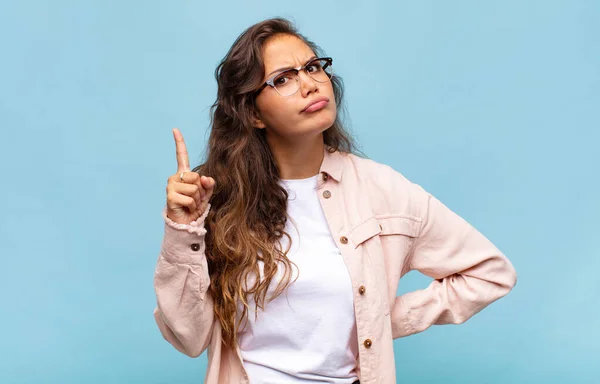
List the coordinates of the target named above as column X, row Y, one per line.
column 308, row 333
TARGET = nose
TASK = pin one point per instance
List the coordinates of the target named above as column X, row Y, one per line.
column 307, row 83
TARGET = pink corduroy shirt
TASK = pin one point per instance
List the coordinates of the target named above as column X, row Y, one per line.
column 384, row 226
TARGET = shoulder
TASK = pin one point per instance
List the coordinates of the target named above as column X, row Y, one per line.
column 385, row 184
column 382, row 175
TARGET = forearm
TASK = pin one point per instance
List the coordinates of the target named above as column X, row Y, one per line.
column 453, row 299
column 469, row 272
column 184, row 312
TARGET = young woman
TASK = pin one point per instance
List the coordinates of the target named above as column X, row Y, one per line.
column 282, row 252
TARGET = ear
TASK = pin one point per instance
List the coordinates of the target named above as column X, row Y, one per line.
column 257, row 121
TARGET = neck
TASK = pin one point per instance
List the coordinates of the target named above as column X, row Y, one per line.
column 300, row 159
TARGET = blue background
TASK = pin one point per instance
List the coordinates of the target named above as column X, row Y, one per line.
column 492, row 106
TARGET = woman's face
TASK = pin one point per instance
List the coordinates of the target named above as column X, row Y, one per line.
column 284, row 116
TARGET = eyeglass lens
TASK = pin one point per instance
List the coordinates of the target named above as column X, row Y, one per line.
column 288, row 83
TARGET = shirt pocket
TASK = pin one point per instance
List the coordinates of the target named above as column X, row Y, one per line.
column 364, row 231
column 388, row 225
column 397, row 237
column 399, row 225
column 369, row 268
column 385, row 241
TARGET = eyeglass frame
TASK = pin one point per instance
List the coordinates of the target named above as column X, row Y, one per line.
column 270, row 81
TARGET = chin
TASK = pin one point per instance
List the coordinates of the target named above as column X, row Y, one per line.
column 315, row 126
column 322, row 121
column 317, row 122
column 326, row 115
column 330, row 118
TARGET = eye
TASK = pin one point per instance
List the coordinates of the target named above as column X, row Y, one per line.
column 314, row 66
column 283, row 78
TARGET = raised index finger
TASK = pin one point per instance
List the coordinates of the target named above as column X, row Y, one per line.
column 183, row 163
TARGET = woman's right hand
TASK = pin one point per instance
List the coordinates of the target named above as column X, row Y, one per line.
column 187, row 199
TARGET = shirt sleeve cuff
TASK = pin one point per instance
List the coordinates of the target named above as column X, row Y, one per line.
column 195, row 227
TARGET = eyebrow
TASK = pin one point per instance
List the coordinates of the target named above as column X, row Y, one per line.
column 288, row 68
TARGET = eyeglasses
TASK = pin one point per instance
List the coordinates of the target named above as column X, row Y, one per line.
column 287, row 83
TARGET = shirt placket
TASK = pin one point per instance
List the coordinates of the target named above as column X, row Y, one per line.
column 331, row 202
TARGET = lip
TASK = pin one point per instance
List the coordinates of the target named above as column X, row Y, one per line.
column 318, row 103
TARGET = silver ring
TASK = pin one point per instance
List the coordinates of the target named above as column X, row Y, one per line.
column 181, row 176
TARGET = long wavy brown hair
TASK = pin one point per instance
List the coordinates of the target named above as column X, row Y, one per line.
column 248, row 207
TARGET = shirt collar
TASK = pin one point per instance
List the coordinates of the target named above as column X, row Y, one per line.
column 332, row 164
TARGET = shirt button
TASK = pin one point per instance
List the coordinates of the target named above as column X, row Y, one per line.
column 368, row 343
column 195, row 246
column 327, row 194
column 362, row 289
column 344, row 240
column 324, row 176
